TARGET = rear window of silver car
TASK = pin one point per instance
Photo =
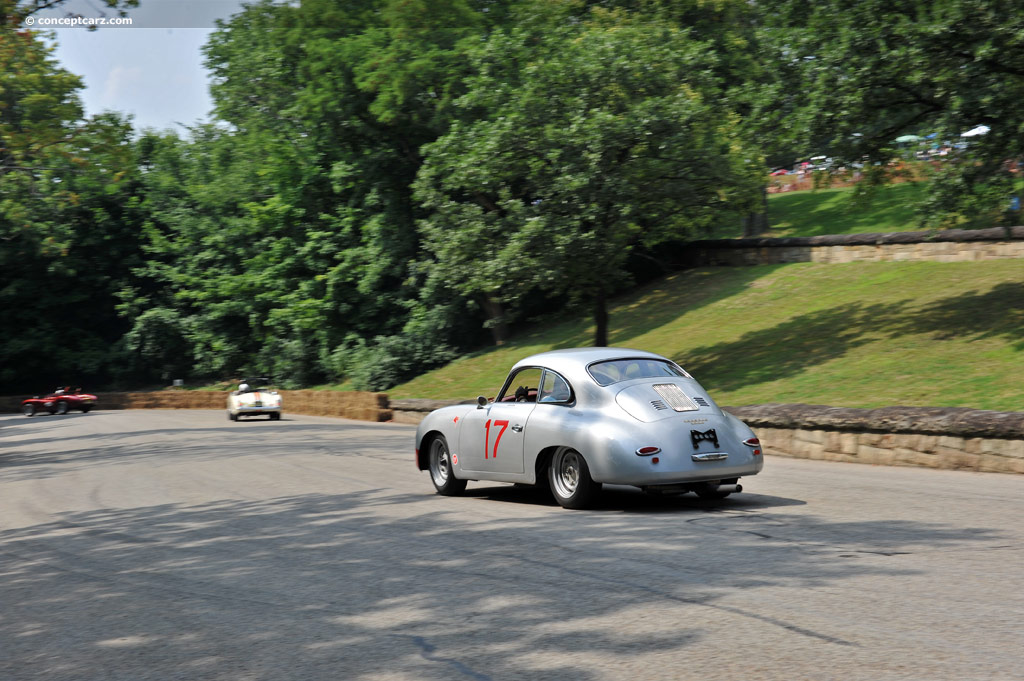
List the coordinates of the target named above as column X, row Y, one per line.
column 615, row 370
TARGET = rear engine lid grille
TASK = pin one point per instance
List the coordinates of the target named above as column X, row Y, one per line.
column 659, row 405
column 674, row 397
column 701, row 401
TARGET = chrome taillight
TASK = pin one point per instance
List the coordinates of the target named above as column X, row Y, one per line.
column 754, row 444
column 647, row 451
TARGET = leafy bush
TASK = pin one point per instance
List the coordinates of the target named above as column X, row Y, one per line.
column 423, row 344
column 159, row 341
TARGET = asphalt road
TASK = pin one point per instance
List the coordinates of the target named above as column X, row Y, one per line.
column 165, row 545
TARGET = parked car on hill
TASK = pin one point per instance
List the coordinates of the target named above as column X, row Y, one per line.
column 60, row 401
column 574, row 419
column 253, row 398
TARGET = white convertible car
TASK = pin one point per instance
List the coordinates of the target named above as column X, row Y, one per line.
column 574, row 419
column 254, row 397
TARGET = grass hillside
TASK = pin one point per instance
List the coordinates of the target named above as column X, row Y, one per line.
column 833, row 211
column 856, row 335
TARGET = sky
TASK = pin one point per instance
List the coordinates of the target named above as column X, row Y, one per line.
column 151, row 69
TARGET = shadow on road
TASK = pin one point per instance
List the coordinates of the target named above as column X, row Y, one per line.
column 349, row 586
column 619, row 498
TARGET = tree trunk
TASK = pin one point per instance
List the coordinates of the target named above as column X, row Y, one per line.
column 600, row 320
column 755, row 223
column 496, row 319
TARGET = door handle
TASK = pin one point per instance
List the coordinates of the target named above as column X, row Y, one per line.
column 518, row 428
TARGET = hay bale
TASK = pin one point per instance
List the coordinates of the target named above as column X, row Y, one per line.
column 363, row 406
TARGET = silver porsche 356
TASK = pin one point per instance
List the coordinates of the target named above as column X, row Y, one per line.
column 575, row 419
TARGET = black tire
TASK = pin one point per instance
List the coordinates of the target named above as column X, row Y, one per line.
column 85, row 410
column 232, row 417
column 61, row 408
column 275, row 416
column 710, row 491
column 570, row 481
column 439, row 461
column 28, row 409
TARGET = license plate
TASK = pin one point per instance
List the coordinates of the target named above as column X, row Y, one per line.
column 710, row 456
column 257, row 403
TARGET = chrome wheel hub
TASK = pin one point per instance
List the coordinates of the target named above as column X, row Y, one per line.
column 567, row 472
column 439, row 466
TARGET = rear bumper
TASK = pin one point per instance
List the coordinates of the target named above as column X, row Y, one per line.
column 673, row 468
column 258, row 410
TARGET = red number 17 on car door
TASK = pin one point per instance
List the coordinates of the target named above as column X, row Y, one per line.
column 487, row 439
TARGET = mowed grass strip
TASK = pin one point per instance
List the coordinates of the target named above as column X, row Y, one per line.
column 889, row 208
column 856, row 335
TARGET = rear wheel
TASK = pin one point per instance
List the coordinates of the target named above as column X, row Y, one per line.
column 232, row 417
column 85, row 409
column 570, row 479
column 275, row 416
column 441, row 473
column 28, row 409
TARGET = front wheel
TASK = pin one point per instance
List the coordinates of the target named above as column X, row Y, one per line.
column 441, row 473
column 61, row 408
column 85, row 410
column 570, row 479
column 28, row 409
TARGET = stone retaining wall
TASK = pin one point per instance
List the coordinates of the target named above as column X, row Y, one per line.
column 955, row 245
column 897, row 449
column 352, row 405
column 412, row 411
column 932, row 437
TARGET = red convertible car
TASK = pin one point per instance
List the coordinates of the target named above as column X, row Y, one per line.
column 60, row 401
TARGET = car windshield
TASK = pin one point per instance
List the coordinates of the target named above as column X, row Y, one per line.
column 249, row 385
column 615, row 370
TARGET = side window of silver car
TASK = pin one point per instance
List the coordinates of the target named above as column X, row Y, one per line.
column 554, row 389
column 522, row 387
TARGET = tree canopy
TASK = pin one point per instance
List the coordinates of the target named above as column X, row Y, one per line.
column 67, row 220
column 873, row 71
column 572, row 148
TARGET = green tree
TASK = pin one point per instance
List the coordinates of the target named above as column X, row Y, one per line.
column 281, row 238
column 67, row 203
column 873, row 71
column 578, row 143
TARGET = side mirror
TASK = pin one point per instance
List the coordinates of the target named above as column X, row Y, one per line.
column 481, row 402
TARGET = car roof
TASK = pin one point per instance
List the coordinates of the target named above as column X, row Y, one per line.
column 571, row 360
